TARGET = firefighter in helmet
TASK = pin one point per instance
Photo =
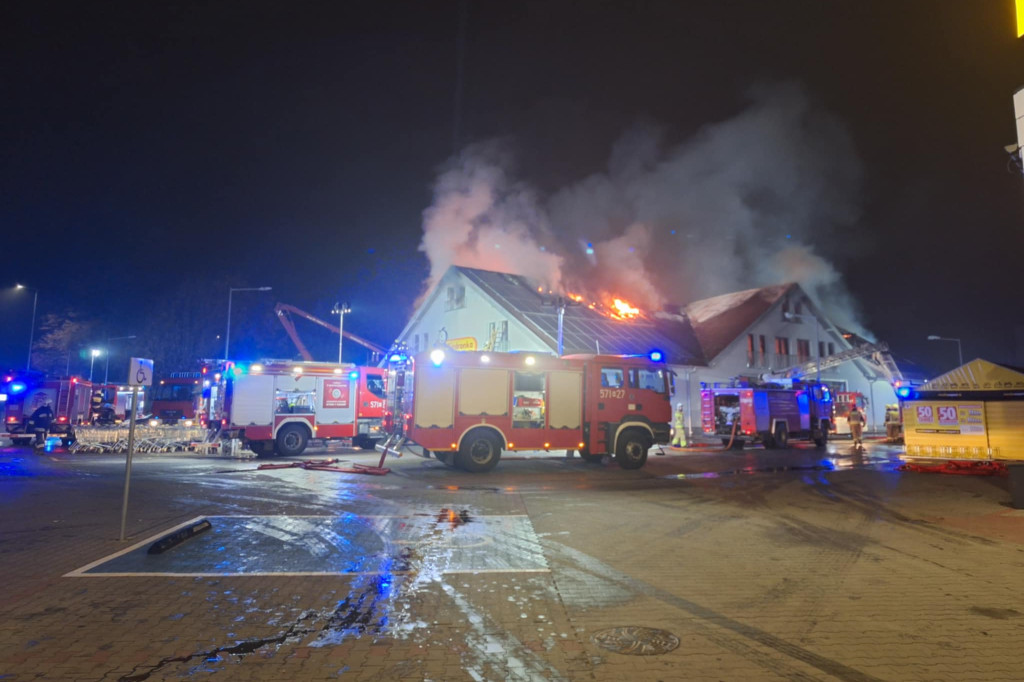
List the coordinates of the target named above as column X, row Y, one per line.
column 679, row 428
column 856, row 421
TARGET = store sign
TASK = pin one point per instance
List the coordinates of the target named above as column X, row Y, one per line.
column 463, row 343
column 949, row 418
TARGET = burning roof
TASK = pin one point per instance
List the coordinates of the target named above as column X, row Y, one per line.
column 615, row 327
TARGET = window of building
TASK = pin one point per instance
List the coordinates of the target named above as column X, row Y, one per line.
column 831, row 348
column 456, row 298
column 798, row 307
column 803, row 350
column 781, row 351
column 762, row 351
column 821, row 349
column 750, row 350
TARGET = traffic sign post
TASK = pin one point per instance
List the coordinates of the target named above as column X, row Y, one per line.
column 140, row 373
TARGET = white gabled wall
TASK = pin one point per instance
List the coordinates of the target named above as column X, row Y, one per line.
column 471, row 320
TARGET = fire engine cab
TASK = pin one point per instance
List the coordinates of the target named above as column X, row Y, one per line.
column 466, row 407
column 280, row 405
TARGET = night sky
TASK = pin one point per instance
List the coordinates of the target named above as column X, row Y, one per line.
column 152, row 146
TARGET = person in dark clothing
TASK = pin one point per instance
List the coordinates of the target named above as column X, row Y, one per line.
column 40, row 422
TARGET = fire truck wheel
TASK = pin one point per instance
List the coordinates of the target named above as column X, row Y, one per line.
column 781, row 436
column 631, row 450
column 821, row 435
column 291, row 440
column 262, row 448
column 479, row 452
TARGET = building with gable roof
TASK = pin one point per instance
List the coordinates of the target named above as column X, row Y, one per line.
column 715, row 340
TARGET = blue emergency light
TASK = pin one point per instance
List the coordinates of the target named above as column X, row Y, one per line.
column 903, row 392
column 354, row 374
column 656, row 356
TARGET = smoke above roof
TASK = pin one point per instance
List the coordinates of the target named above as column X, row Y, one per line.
column 757, row 199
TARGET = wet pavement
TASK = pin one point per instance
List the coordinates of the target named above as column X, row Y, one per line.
column 705, row 564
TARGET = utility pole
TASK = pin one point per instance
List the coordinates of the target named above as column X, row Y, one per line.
column 341, row 310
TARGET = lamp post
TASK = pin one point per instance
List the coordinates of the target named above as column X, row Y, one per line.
column 32, row 328
column 106, row 369
column 227, row 334
column 341, row 310
column 94, row 353
column 959, row 352
column 817, row 338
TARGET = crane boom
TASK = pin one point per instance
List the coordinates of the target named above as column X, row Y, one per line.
column 877, row 353
column 283, row 312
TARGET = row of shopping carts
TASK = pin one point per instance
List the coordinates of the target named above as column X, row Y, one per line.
column 147, row 439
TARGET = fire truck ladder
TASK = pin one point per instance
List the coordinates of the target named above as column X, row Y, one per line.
column 878, row 352
column 283, row 311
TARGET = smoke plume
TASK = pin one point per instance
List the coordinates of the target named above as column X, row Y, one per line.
column 758, row 199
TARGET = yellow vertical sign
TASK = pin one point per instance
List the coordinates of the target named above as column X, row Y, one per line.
column 1020, row 17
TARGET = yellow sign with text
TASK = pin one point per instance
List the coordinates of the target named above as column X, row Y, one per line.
column 463, row 343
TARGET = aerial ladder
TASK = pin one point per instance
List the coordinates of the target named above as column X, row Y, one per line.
column 284, row 312
column 879, row 361
column 877, row 354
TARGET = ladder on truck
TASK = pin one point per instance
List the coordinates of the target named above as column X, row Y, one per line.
column 878, row 353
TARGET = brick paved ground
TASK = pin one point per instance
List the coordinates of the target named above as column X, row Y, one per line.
column 764, row 566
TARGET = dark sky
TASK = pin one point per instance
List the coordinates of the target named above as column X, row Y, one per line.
column 296, row 145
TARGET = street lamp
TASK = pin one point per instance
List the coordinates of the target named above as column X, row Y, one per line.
column 94, row 352
column 817, row 337
column 112, row 338
column 32, row 328
column 341, row 310
column 227, row 334
column 959, row 352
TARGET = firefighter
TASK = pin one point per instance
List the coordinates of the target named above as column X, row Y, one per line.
column 40, row 422
column 679, row 429
column 856, row 420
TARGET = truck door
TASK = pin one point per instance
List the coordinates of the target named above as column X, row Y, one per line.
column 611, row 406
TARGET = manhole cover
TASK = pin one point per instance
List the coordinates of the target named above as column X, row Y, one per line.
column 636, row 641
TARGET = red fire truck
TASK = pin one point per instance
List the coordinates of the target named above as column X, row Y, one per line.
column 177, row 397
column 279, row 405
column 466, row 407
column 771, row 414
column 843, row 403
column 69, row 397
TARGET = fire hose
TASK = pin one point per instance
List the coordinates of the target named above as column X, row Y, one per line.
column 732, row 436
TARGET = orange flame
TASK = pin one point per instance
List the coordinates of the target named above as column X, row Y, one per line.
column 621, row 310
column 618, row 309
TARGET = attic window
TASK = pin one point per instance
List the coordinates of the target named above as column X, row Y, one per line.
column 798, row 308
column 456, row 298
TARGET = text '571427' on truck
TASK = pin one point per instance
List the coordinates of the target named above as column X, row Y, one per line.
column 278, row 406
column 466, row 407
